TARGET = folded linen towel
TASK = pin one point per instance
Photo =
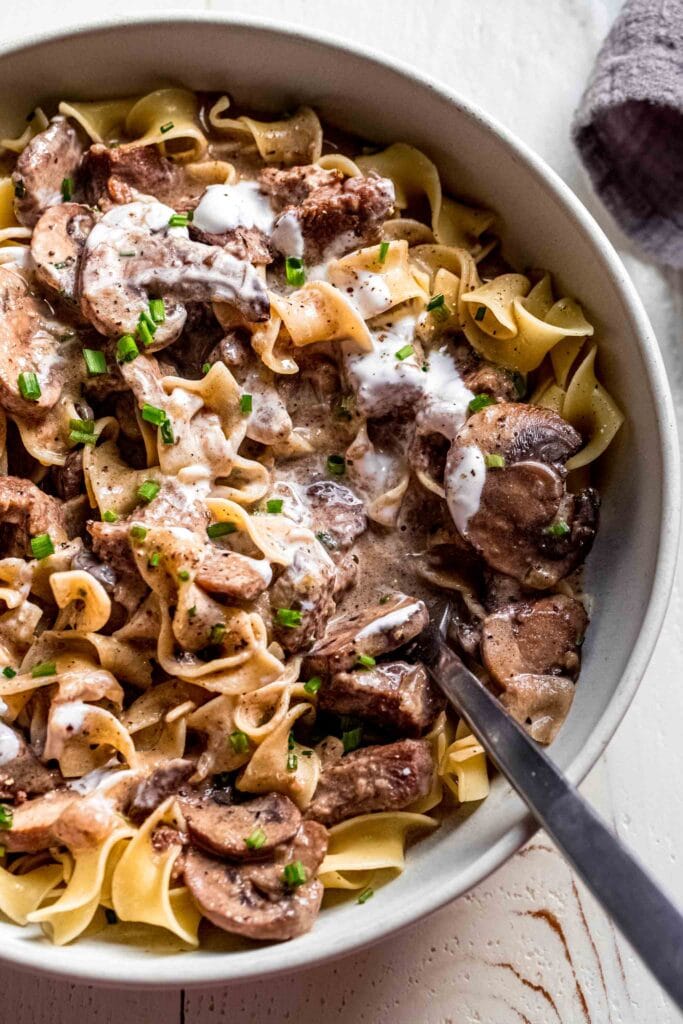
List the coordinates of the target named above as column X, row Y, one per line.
column 629, row 126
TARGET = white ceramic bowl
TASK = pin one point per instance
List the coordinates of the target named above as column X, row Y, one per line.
column 631, row 568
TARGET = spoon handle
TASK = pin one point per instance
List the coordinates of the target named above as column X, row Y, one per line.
column 643, row 914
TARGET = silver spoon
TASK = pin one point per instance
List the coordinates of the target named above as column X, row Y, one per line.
column 643, row 914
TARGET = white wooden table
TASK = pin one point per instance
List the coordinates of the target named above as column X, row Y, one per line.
column 528, row 946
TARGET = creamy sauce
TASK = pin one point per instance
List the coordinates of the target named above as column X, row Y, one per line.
column 368, row 292
column 465, row 477
column 389, row 621
column 10, row 744
column 287, row 237
column 226, row 207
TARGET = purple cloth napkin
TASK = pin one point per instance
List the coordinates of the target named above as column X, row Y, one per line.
column 629, row 126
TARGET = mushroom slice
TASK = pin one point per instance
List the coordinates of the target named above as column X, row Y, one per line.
column 50, row 158
column 26, row 512
column 534, row 637
column 21, row 773
column 134, row 253
column 246, row 831
column 34, row 823
column 29, row 343
column 56, row 246
column 540, row 703
column 517, row 513
column 254, row 900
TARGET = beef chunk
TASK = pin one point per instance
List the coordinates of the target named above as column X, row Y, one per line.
column 331, row 210
column 394, row 694
column 306, row 586
column 373, row 632
column 21, row 773
column 117, row 175
column 68, row 479
column 25, row 512
column 242, row 243
column 34, row 823
column 386, row 778
column 486, row 378
column 162, row 783
column 233, row 575
column 223, row 829
column 336, row 512
column 254, row 899
column 49, row 158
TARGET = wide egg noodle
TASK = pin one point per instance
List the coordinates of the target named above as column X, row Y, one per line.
column 84, row 602
column 270, row 771
column 377, row 279
column 590, row 408
column 368, row 843
column 294, row 140
column 320, row 312
column 22, row 894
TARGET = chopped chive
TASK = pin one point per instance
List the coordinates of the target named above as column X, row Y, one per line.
column 294, row 874
column 146, row 318
column 365, row 895
column 153, row 560
column 6, row 817
column 179, row 220
column 351, row 739
column 436, row 302
column 148, row 490
column 123, row 254
column 336, row 465
column 239, row 741
column 152, row 414
column 205, row 368
column 42, row 546
column 383, row 250
column 289, row 617
column 217, row 633
column 256, row 840
column 327, row 539
column 404, row 352
column 19, row 189
column 82, row 437
column 183, row 575
column 292, row 761
column 481, row 313
column 480, row 402
column 84, row 426
column 29, row 386
column 8, row 672
column 166, row 127
column 313, row 684
column 167, row 435
column 95, row 362
column 46, row 668
column 385, row 598
column 67, row 189
column 145, row 335
column 220, row 529
column 365, row 661
column 558, row 529
column 61, row 266
column 274, row 505
column 294, row 271
column 494, row 461
column 246, row 404
column 157, row 311
column 138, row 532
column 110, row 517
column 126, row 349
column 191, row 612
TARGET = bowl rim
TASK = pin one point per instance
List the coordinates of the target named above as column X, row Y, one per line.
column 171, row 972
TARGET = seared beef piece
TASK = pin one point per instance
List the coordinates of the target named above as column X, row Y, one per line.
column 393, row 694
column 200, row 335
column 25, row 512
column 521, row 503
column 534, row 637
column 49, row 158
column 21, row 773
column 306, row 586
column 346, row 572
column 482, row 377
column 56, row 246
column 34, row 823
column 386, row 778
column 336, row 513
column 157, row 787
column 68, row 479
column 253, row 899
column 233, row 575
column 116, row 175
column 329, row 207
column 375, row 631
column 223, row 829
column 427, row 455
column 243, row 243
column 111, row 545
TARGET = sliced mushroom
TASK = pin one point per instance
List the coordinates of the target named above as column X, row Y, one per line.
column 234, row 575
column 133, row 253
column 253, row 899
column 267, row 821
column 25, row 512
column 49, row 158
column 540, row 703
column 56, row 246
column 162, row 783
column 21, row 773
column 29, row 343
column 375, row 631
column 541, row 637
column 525, row 524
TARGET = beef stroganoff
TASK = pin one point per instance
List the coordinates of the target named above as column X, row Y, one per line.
column 268, row 399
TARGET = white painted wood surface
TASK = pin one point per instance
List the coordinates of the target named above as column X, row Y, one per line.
column 528, row 946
